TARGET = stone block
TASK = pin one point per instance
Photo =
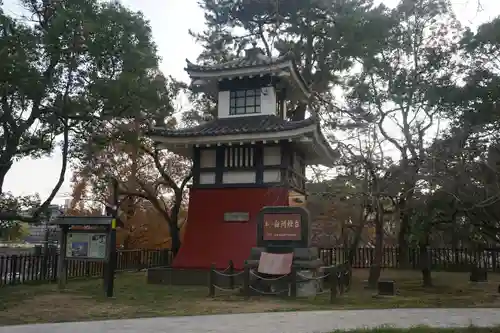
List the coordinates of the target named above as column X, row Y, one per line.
column 306, row 284
column 386, row 287
column 478, row 274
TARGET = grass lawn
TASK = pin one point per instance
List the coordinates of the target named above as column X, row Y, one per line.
column 84, row 300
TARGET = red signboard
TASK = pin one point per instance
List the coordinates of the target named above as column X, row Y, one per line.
column 285, row 227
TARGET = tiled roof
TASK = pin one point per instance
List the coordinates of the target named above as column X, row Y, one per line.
column 254, row 58
column 236, row 125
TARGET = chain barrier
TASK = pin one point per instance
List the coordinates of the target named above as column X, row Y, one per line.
column 309, row 278
column 325, row 291
column 213, row 278
column 338, row 278
column 228, row 275
column 268, row 292
column 225, row 289
column 267, row 279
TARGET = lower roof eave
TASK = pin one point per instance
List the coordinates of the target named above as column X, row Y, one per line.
column 207, row 140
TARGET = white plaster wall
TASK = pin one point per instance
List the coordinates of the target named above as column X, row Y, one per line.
column 272, row 155
column 207, row 158
column 223, row 104
column 238, row 177
column 207, row 178
column 272, row 176
column 268, row 101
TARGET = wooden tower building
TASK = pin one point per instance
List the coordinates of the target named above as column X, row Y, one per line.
column 248, row 157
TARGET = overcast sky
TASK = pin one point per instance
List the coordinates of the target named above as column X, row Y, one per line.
column 170, row 21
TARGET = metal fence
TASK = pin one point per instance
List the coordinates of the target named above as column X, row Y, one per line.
column 28, row 268
column 445, row 259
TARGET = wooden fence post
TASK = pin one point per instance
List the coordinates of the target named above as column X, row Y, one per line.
column 340, row 280
column 55, row 260
column 246, row 281
column 211, row 281
column 13, row 269
column 231, row 273
column 332, row 279
column 293, row 282
column 348, row 278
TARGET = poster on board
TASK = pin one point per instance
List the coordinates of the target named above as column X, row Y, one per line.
column 86, row 245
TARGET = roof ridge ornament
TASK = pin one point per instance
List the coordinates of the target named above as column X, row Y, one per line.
column 254, row 51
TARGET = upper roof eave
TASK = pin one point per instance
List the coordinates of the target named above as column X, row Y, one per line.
column 239, row 67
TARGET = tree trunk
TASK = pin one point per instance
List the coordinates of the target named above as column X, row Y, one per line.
column 404, row 226
column 175, row 234
column 376, row 266
column 4, row 168
column 355, row 242
column 176, row 240
column 425, row 264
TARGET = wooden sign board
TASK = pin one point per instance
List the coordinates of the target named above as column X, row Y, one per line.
column 275, row 263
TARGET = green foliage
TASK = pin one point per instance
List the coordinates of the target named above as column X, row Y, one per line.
column 14, row 232
column 323, row 36
column 73, row 67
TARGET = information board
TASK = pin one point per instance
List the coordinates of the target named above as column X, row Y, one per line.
column 85, row 245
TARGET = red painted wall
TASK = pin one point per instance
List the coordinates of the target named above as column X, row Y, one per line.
column 208, row 239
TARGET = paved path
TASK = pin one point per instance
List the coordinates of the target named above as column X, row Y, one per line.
column 282, row 322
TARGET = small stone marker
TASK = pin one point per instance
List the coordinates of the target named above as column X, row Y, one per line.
column 386, row 288
column 478, row 274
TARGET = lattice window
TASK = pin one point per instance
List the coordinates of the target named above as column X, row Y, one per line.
column 244, row 101
column 237, row 157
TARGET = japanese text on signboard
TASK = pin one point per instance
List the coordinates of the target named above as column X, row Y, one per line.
column 282, row 227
